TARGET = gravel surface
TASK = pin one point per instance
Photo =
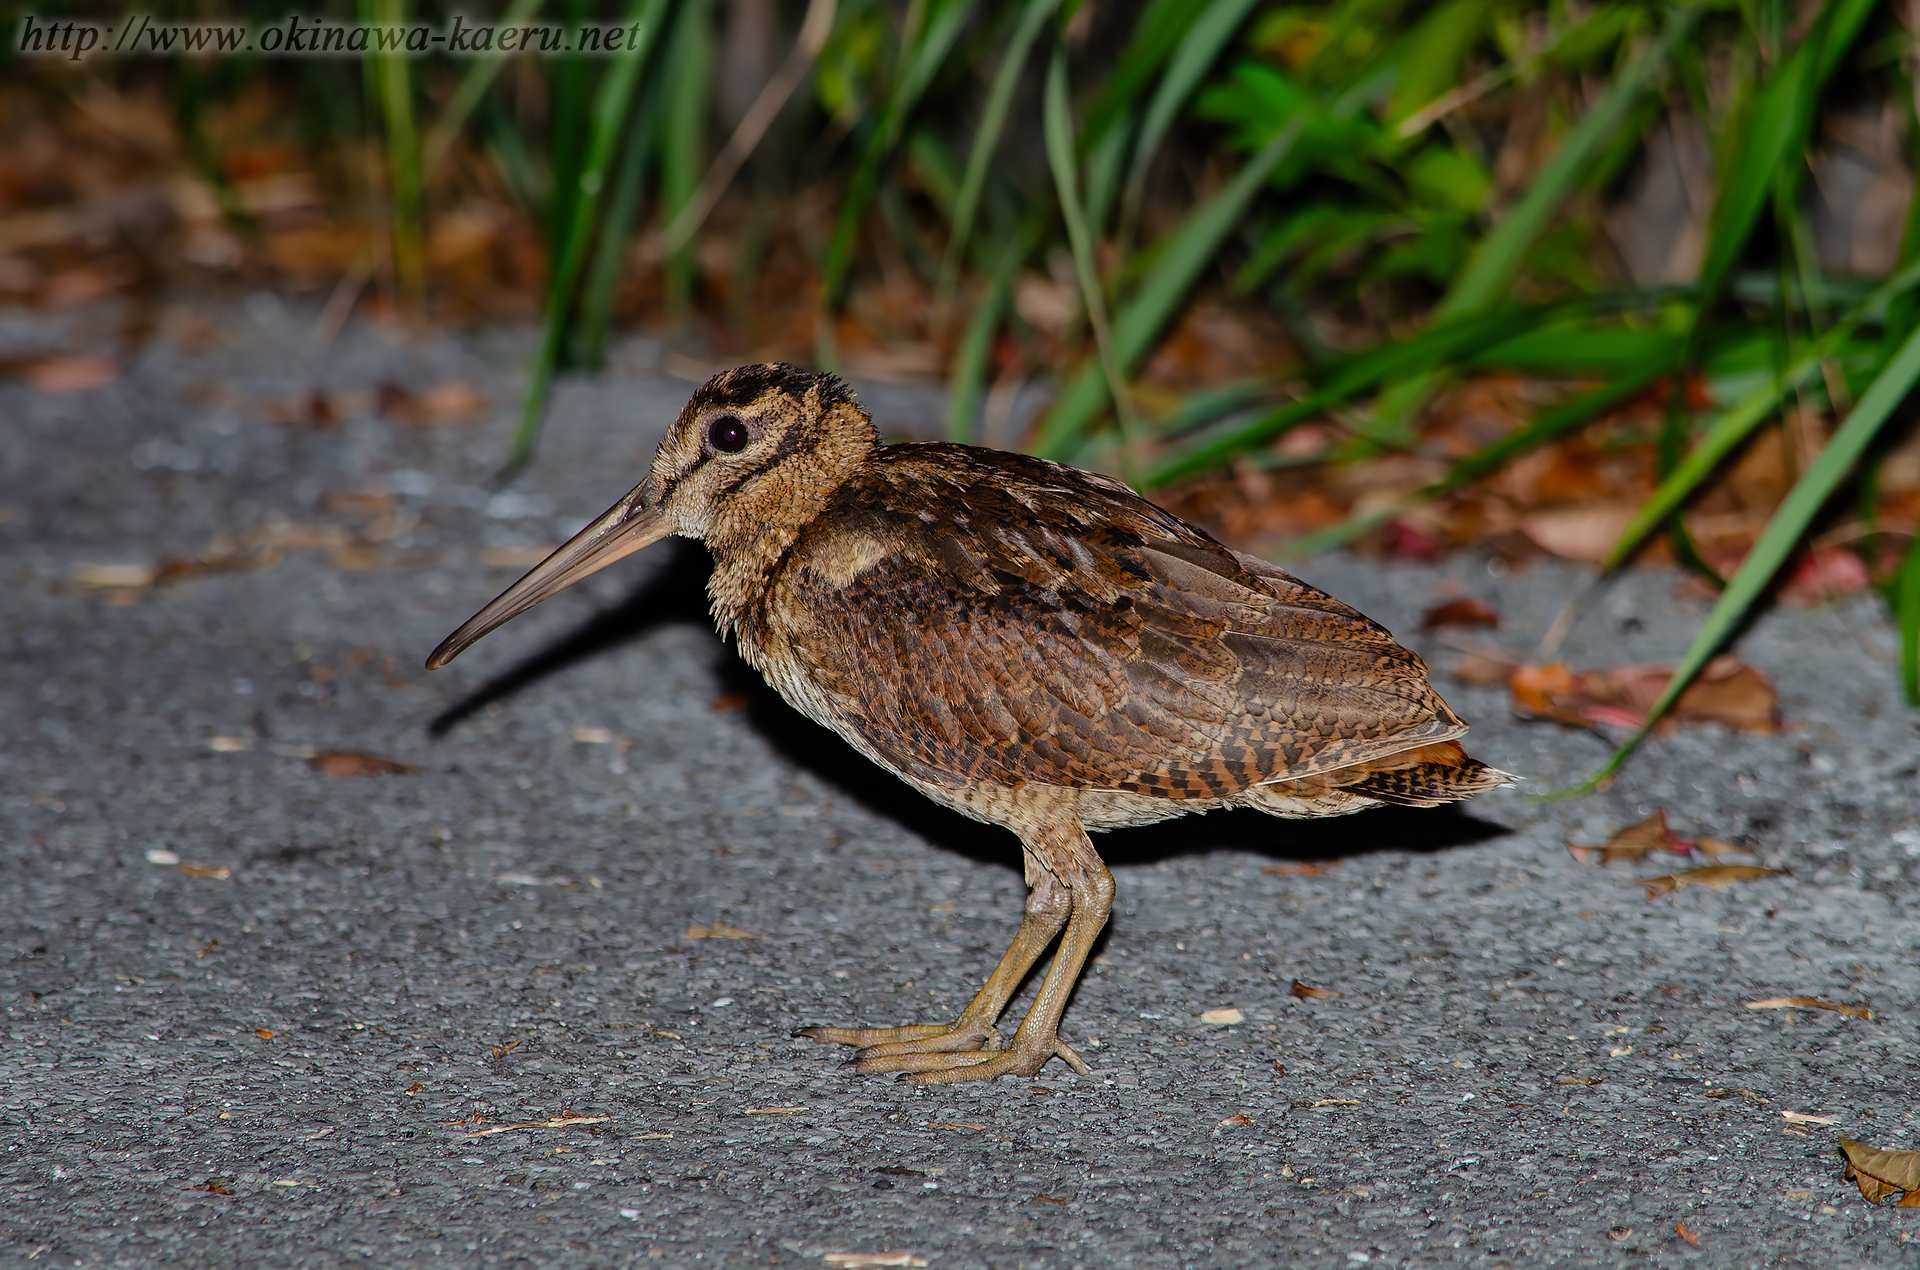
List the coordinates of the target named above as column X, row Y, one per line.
column 261, row 1015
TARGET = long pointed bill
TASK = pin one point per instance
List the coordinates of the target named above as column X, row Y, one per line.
column 626, row 527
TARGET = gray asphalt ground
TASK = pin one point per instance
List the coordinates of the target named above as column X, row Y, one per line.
column 503, row 938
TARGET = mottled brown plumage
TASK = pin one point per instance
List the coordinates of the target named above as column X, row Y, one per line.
column 1032, row 645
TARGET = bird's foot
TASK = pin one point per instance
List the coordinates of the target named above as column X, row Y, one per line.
column 917, row 1038
column 952, row 1068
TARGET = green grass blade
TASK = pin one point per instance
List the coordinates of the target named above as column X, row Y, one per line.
column 1775, row 131
column 403, row 156
column 1157, row 33
column 1783, row 533
column 1738, row 422
column 966, row 384
column 993, row 121
column 1346, row 380
column 1177, row 267
column 1906, row 609
column 623, row 208
column 925, row 46
column 683, row 158
column 610, row 111
column 1548, row 427
column 473, row 85
column 1492, row 268
column 1057, row 121
column 1191, row 61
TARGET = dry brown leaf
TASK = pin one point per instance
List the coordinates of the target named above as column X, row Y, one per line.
column 1883, row 1173
column 1308, row 993
column 341, row 764
column 216, row 872
column 452, row 402
column 99, row 576
column 514, row 557
column 1680, row 1229
column 1811, row 1003
column 558, row 1122
column 1463, row 611
column 1584, row 532
column 861, row 1260
column 1336, row 1102
column 1727, row 691
column 1226, row 1016
column 72, row 374
column 1483, row 670
column 1239, row 1119
column 720, row 930
column 1801, row 1117
column 1634, row 843
column 263, row 1033
column 1717, row 876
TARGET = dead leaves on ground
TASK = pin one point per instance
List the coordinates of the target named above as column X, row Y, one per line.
column 721, row 930
column 1717, row 877
column 1645, row 837
column 1883, row 1173
column 1810, row 1003
column 1727, row 692
column 1307, row 992
column 343, row 764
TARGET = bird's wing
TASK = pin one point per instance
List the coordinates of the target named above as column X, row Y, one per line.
column 1033, row 623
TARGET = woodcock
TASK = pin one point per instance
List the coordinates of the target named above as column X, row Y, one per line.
column 1031, row 645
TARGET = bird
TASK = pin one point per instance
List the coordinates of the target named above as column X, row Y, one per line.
column 1029, row 644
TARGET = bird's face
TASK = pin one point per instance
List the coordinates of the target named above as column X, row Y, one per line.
column 756, row 448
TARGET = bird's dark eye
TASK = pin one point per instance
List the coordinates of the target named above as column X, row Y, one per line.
column 728, row 435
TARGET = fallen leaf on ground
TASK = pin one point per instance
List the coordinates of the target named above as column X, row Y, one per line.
column 341, row 764
column 558, row 1122
column 1680, row 1229
column 1301, row 870
column 1717, row 876
column 859, row 1260
column 1731, row 1090
column 1236, row 1120
column 772, row 1111
column 1801, row 1117
column 211, row 1188
column 72, row 374
column 452, row 402
column 217, row 872
column 514, row 557
column 228, row 744
column 1585, row 532
column 1307, row 992
column 263, row 1033
column 1336, row 1102
column 1811, row 1003
column 1727, row 691
column 1883, row 1173
column 1484, row 670
column 1823, row 574
column 1225, row 1016
column 720, row 930
column 1634, row 843
column 100, row 576
column 1464, row 611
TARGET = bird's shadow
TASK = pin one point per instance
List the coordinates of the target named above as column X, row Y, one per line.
column 676, row 592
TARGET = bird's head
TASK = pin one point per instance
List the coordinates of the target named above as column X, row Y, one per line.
column 754, row 453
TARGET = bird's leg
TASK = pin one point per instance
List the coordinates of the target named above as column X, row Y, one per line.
column 1090, row 887
column 1047, row 907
